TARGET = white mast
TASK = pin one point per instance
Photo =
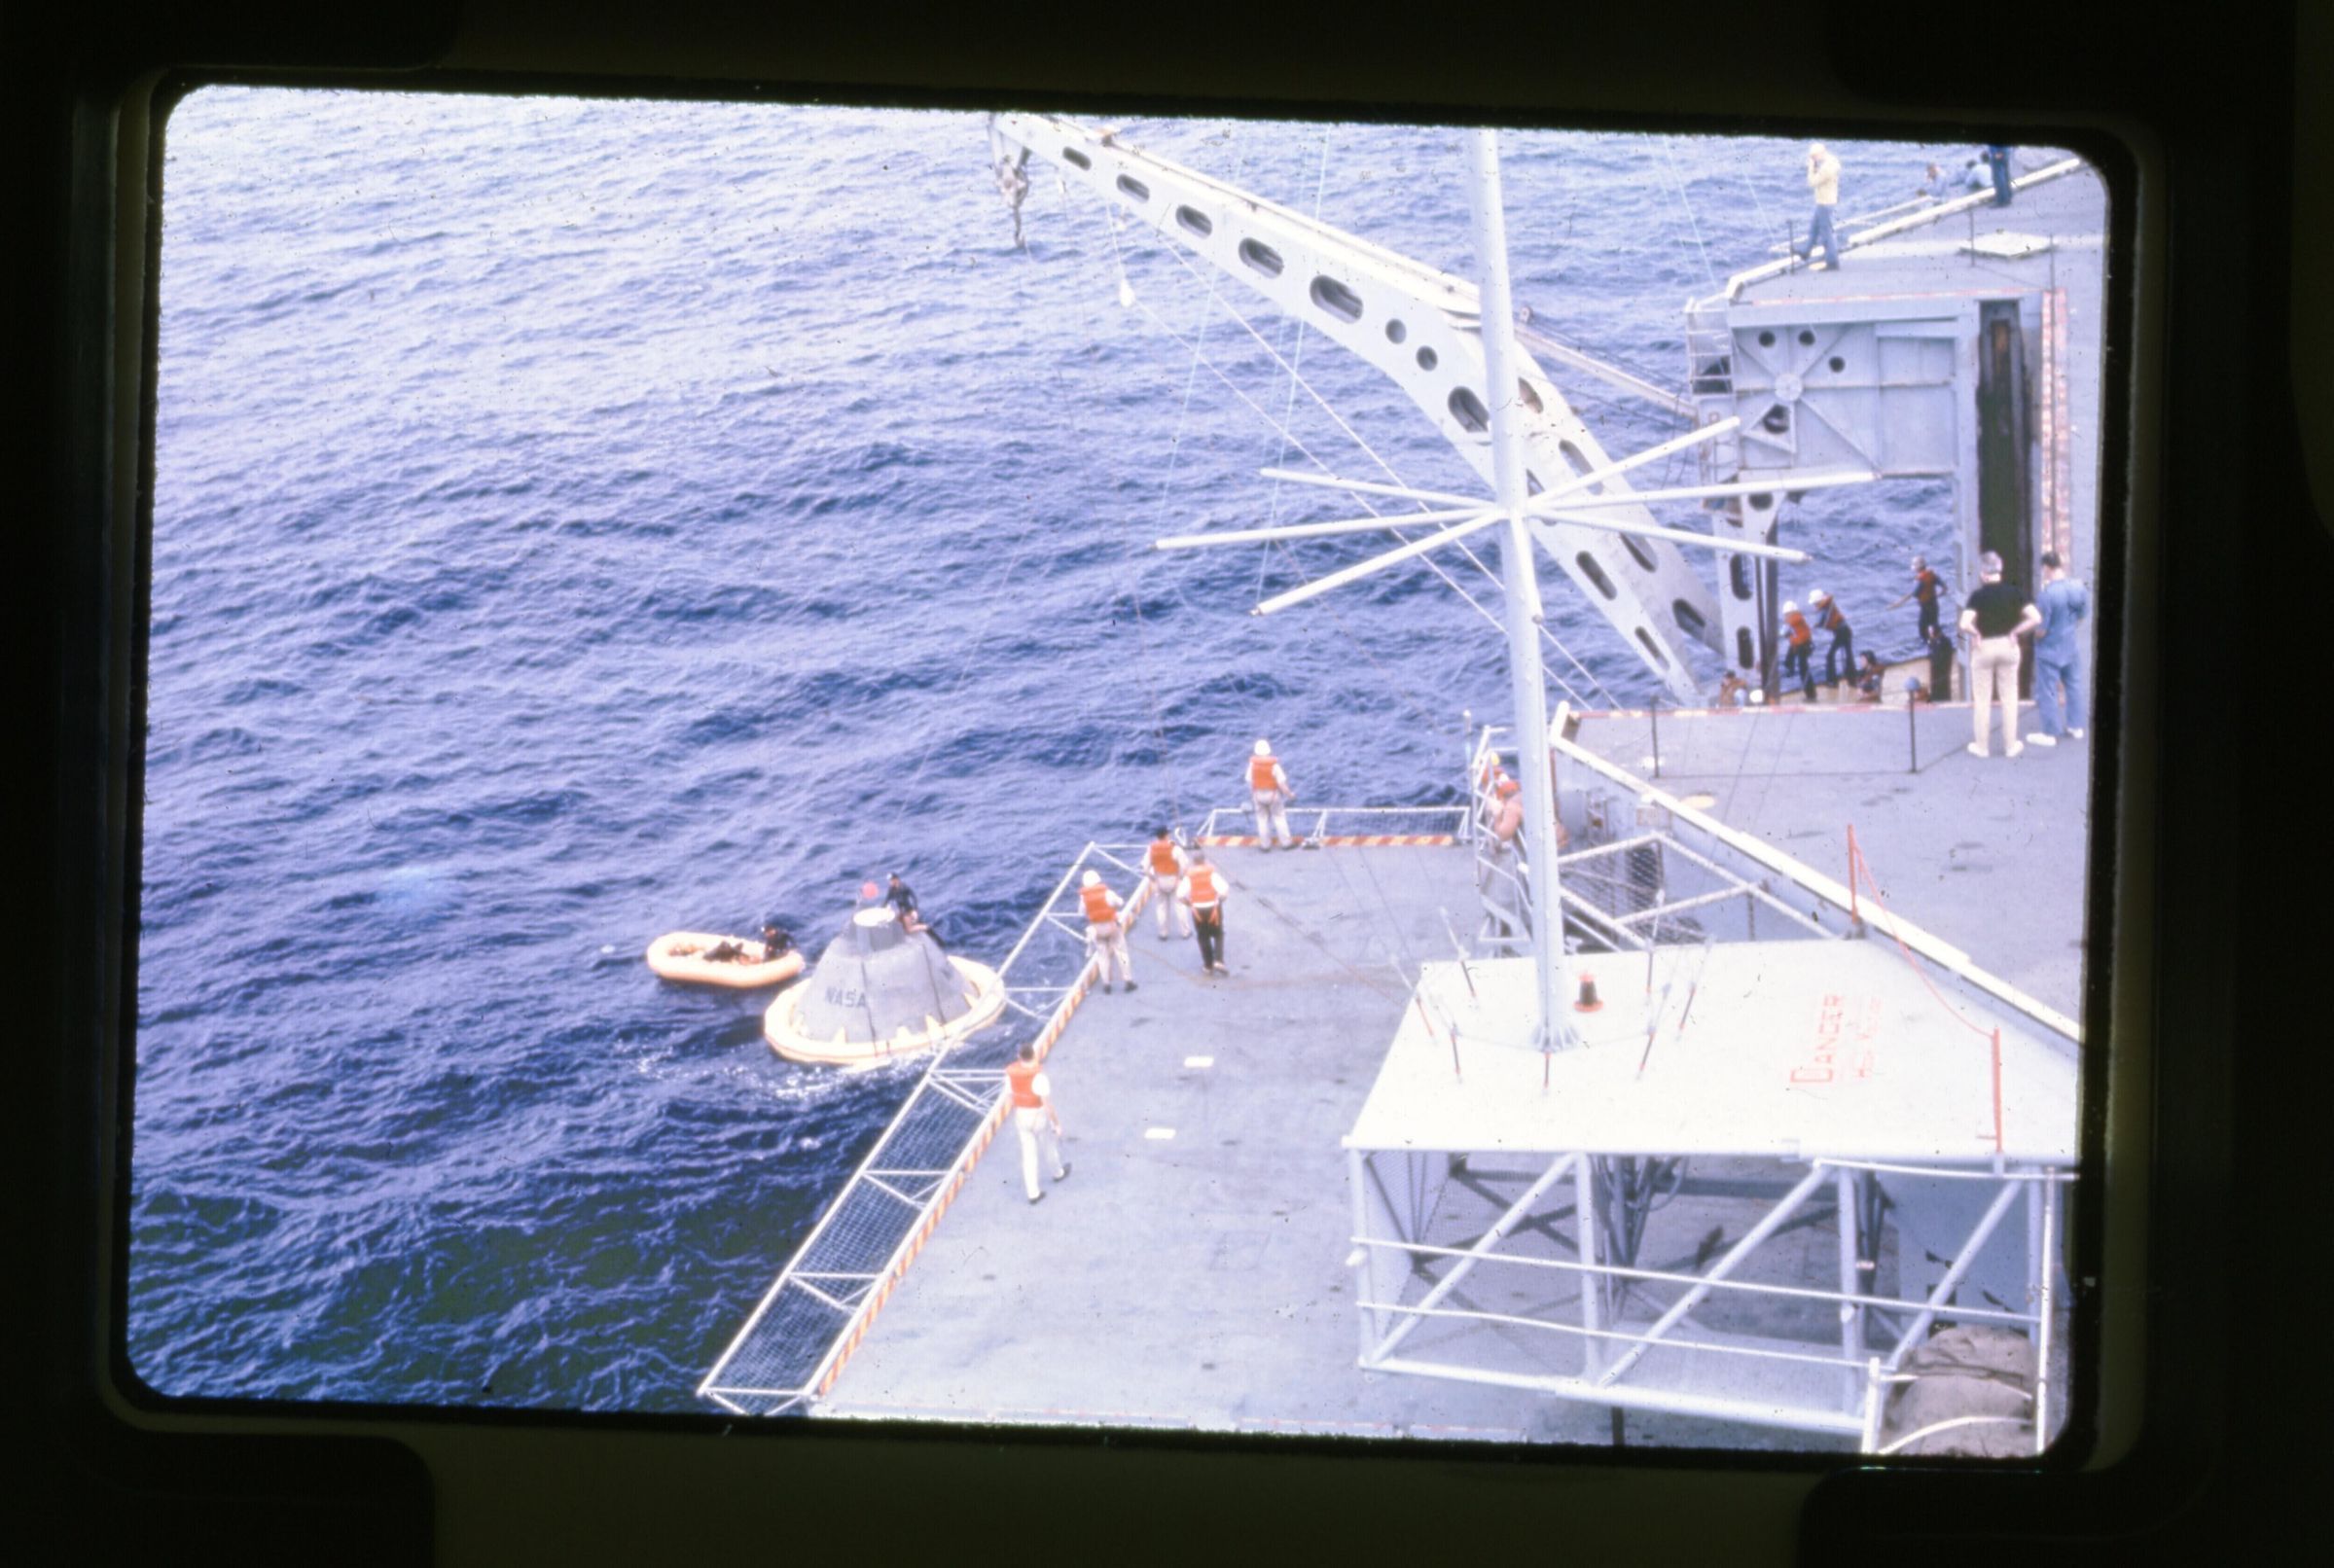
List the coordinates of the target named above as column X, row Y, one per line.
column 1383, row 307
column 1528, row 681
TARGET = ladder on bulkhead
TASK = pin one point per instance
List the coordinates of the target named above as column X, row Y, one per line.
column 1711, row 382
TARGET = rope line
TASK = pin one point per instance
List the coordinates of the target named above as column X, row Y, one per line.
column 1686, row 205
column 1863, row 866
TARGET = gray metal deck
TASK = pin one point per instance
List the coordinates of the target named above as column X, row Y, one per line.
column 1200, row 1280
column 1203, row 1280
column 1989, row 854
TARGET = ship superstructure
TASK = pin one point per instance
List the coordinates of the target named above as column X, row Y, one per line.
column 1789, row 1085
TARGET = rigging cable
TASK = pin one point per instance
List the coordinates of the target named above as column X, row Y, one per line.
column 1463, row 548
column 1288, row 411
column 1145, row 666
column 1685, row 205
column 1432, row 565
column 996, row 599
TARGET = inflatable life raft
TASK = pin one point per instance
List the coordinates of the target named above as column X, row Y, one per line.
column 880, row 993
column 680, row 955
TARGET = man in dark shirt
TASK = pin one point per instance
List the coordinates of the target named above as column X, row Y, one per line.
column 1993, row 619
column 1940, row 648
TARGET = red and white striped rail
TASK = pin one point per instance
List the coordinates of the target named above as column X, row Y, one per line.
column 962, row 1171
column 1249, row 840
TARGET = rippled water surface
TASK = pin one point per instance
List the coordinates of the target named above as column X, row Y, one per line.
column 578, row 521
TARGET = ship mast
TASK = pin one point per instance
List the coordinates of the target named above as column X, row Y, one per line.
column 1383, row 307
column 1521, row 579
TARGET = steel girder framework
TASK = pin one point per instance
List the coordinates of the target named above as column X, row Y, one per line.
column 1421, row 328
column 1487, row 1304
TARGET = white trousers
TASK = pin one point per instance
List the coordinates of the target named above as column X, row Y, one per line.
column 1033, row 1124
column 1110, row 942
column 1994, row 670
column 1163, row 897
column 1272, row 816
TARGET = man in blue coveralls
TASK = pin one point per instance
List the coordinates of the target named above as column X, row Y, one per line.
column 1996, row 159
column 2065, row 604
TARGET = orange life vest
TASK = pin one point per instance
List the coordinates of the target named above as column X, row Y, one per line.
column 1833, row 620
column 1097, row 905
column 1204, row 894
column 1021, row 1078
column 1162, row 856
column 1799, row 628
column 1261, row 772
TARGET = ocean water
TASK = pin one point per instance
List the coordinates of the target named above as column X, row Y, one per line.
column 578, row 521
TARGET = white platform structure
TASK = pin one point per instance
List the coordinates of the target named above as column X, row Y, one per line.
column 1832, row 1065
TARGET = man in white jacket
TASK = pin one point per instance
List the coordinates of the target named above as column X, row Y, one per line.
column 1823, row 183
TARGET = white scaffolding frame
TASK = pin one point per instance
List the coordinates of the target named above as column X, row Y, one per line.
column 1598, row 1355
column 1729, row 1377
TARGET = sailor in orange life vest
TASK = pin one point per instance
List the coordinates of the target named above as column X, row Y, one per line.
column 1801, row 654
column 1840, row 658
column 1268, row 787
column 1164, row 858
column 1103, row 932
column 1507, row 821
column 1033, row 1114
column 1202, row 891
column 1510, row 820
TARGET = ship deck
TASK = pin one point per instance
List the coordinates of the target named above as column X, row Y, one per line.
column 1987, row 853
column 1192, row 1272
column 1195, row 1271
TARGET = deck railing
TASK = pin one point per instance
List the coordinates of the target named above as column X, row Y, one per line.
column 813, row 1318
column 1342, row 825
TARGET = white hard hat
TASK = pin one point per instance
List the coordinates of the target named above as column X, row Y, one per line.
column 1758, row 698
column 1789, row 605
column 1090, row 879
column 1819, row 597
column 1263, row 748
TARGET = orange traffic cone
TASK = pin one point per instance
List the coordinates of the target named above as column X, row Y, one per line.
column 1589, row 1001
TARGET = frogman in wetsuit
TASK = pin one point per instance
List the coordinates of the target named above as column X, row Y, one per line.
column 903, row 900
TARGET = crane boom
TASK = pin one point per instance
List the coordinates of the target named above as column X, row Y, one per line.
column 1420, row 327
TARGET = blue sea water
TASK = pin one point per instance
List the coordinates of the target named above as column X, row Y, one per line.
column 575, row 521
